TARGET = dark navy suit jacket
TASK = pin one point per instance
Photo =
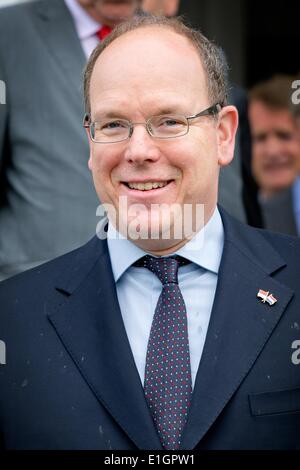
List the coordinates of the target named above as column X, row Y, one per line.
column 70, row 380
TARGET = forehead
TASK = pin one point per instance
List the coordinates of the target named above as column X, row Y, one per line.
column 149, row 63
column 263, row 116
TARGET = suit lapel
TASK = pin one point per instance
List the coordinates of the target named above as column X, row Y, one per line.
column 56, row 29
column 91, row 328
column 90, row 325
column 240, row 325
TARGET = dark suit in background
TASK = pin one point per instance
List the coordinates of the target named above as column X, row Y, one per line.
column 237, row 187
column 278, row 212
column 48, row 202
column 244, row 149
column 70, row 381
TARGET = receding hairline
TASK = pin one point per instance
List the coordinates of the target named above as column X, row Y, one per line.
column 162, row 27
column 274, row 93
column 138, row 31
column 211, row 57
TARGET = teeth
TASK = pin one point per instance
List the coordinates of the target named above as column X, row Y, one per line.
column 147, row 186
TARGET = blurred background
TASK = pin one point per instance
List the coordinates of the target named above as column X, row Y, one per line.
column 260, row 38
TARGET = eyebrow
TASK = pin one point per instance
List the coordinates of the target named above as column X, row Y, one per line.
column 110, row 114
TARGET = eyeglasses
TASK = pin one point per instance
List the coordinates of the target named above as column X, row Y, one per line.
column 165, row 126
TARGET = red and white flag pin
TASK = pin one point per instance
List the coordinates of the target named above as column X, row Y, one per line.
column 265, row 296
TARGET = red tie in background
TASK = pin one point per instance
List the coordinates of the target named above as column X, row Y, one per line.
column 103, row 32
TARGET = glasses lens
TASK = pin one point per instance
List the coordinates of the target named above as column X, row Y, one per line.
column 168, row 125
column 113, row 130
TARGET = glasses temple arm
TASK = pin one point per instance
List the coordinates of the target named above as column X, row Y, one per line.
column 213, row 110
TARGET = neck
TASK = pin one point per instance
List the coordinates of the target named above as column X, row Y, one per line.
column 163, row 247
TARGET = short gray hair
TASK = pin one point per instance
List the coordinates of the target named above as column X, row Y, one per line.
column 212, row 57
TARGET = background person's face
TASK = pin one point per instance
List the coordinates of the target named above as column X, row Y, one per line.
column 144, row 73
column 110, row 12
column 276, row 147
column 161, row 7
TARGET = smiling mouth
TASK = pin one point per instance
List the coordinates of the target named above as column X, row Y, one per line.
column 148, row 186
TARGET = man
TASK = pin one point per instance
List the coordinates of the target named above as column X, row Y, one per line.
column 276, row 151
column 296, row 185
column 181, row 339
column 47, row 203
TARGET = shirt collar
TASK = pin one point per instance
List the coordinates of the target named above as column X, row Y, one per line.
column 205, row 249
column 85, row 25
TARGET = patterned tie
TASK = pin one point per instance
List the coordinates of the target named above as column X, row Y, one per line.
column 103, row 32
column 168, row 383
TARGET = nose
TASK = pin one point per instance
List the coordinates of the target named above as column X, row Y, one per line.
column 141, row 147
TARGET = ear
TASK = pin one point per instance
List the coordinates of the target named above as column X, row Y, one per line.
column 90, row 161
column 86, row 120
column 227, row 125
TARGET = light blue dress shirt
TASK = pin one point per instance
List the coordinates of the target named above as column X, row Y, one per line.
column 138, row 289
column 86, row 27
column 296, row 202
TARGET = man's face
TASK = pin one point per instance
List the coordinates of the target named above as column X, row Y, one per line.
column 110, row 12
column 149, row 72
column 276, row 147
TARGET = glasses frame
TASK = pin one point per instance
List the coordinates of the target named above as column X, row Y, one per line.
column 211, row 111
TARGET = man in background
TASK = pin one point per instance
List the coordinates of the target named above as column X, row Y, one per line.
column 295, row 108
column 47, row 202
column 276, row 151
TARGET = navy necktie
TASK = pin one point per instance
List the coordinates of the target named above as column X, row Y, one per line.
column 168, row 383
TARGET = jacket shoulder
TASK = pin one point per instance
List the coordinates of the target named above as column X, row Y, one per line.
column 14, row 13
column 264, row 247
column 38, row 281
column 287, row 245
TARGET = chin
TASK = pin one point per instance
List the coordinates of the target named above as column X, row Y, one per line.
column 159, row 247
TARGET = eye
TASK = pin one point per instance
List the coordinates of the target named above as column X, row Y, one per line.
column 170, row 121
column 112, row 125
column 259, row 138
column 284, row 135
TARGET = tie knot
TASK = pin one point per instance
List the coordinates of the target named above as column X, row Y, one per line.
column 166, row 269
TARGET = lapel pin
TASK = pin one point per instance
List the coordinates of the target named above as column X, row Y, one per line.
column 265, row 296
